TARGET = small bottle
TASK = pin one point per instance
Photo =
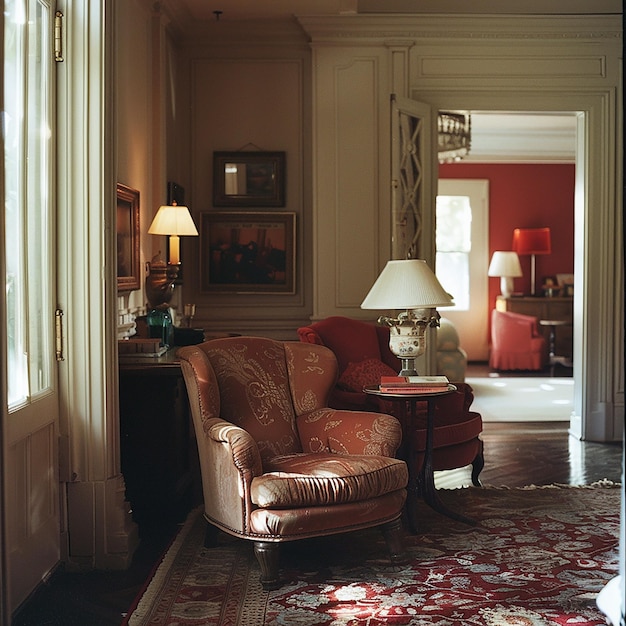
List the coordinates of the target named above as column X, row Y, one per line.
column 160, row 326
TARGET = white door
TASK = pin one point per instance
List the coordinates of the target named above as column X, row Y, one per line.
column 463, row 260
column 30, row 413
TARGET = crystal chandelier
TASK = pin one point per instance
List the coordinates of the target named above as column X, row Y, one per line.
column 454, row 130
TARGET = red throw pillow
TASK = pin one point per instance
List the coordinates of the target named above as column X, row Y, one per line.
column 364, row 373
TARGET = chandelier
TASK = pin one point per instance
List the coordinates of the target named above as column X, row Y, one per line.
column 454, row 130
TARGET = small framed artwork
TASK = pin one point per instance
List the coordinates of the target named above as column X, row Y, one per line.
column 249, row 179
column 247, row 252
column 127, row 223
column 175, row 194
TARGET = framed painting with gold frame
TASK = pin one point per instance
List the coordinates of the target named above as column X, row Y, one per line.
column 247, row 252
column 128, row 264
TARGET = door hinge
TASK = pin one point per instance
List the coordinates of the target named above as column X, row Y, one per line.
column 58, row 324
column 58, row 37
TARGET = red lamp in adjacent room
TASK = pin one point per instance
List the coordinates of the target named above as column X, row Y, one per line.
column 532, row 241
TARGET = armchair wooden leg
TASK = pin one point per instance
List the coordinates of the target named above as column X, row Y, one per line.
column 477, row 466
column 392, row 532
column 267, row 554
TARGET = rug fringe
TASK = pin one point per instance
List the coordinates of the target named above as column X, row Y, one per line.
column 604, row 483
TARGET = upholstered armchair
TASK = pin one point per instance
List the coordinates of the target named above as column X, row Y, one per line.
column 277, row 464
column 516, row 342
column 363, row 355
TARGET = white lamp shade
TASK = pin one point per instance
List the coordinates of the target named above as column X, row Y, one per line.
column 505, row 263
column 173, row 220
column 406, row 284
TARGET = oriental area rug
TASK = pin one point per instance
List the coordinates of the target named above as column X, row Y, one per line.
column 537, row 556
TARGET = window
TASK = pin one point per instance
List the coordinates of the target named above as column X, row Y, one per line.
column 454, row 244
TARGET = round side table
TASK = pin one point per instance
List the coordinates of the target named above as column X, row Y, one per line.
column 422, row 481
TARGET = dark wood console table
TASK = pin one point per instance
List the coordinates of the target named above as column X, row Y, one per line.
column 158, row 448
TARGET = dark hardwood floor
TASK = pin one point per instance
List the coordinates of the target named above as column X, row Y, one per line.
column 516, row 454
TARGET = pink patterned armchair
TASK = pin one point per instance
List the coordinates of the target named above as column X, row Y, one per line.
column 277, row 465
column 516, row 342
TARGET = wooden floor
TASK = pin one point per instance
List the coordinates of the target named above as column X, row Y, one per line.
column 515, row 455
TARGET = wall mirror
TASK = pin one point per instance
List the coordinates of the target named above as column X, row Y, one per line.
column 248, row 179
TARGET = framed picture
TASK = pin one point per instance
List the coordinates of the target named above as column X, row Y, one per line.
column 248, row 179
column 128, row 265
column 175, row 193
column 247, row 252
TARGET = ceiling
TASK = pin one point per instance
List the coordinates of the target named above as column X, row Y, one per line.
column 497, row 136
column 202, row 10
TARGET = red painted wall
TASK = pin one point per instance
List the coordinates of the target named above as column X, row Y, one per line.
column 526, row 196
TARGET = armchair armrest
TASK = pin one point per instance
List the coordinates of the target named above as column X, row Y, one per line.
column 349, row 432
column 243, row 448
column 229, row 461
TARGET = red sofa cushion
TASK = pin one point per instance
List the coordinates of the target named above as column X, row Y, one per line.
column 363, row 373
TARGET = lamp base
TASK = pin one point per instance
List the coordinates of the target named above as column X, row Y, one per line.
column 160, row 283
column 408, row 367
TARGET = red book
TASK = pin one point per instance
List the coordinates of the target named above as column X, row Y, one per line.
column 412, row 390
column 414, row 381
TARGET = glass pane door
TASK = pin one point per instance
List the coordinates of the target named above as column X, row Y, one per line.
column 29, row 223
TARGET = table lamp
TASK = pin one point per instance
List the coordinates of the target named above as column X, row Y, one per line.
column 532, row 241
column 506, row 265
column 410, row 285
column 174, row 221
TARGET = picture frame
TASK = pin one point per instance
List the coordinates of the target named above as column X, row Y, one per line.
column 248, row 252
column 249, row 179
column 127, row 229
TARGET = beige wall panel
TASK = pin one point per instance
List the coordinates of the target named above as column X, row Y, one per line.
column 251, row 103
column 356, row 123
column 351, row 111
column 245, row 104
column 32, row 521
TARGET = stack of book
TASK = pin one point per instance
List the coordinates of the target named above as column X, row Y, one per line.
column 413, row 384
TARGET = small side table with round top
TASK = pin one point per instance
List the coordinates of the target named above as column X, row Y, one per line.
column 422, row 482
column 554, row 358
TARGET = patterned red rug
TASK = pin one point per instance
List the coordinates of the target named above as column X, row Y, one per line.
column 537, row 557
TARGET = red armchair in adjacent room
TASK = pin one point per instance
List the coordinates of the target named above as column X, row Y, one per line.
column 516, row 342
column 363, row 355
column 277, row 465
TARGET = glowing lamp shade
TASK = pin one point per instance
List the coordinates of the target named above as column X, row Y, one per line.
column 532, row 241
column 409, row 285
column 406, row 284
column 173, row 221
column 506, row 265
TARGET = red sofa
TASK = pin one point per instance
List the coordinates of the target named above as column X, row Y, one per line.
column 363, row 356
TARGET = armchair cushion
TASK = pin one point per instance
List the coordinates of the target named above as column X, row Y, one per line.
column 322, row 479
column 367, row 372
